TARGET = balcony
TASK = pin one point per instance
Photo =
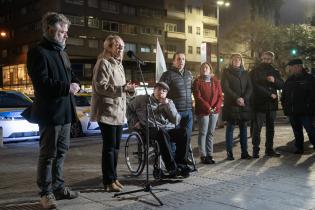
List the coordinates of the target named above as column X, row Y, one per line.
column 176, row 35
column 209, row 39
column 209, row 20
column 176, row 15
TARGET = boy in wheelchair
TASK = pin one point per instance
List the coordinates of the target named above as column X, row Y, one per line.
column 165, row 118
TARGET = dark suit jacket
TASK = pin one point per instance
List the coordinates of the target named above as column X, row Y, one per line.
column 50, row 71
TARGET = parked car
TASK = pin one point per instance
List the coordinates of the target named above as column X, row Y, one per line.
column 84, row 126
column 15, row 127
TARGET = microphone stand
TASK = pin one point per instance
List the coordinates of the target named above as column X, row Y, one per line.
column 147, row 187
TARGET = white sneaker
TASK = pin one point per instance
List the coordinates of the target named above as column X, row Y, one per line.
column 48, row 201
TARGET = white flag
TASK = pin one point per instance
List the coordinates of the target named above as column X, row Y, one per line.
column 160, row 65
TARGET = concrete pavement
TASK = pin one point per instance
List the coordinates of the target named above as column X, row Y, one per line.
column 287, row 182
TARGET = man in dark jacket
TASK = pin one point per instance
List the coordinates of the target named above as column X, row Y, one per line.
column 298, row 102
column 53, row 108
column 266, row 81
column 179, row 79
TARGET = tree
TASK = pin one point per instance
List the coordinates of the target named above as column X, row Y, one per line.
column 260, row 35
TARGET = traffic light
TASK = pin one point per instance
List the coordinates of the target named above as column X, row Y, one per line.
column 293, row 52
column 221, row 59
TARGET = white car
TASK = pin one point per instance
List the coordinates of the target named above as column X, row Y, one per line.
column 85, row 126
column 13, row 126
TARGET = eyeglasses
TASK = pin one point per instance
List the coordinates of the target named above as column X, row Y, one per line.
column 119, row 46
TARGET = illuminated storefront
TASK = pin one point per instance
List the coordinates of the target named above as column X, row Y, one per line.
column 15, row 77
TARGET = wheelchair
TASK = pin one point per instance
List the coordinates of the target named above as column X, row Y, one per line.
column 135, row 155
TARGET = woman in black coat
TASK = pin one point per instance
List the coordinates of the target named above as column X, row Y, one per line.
column 237, row 88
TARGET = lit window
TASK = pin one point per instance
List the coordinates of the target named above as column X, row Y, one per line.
column 76, row 20
column 145, row 49
column 171, row 27
column 130, row 46
column 93, row 22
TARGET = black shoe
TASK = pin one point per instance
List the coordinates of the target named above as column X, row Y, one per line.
column 184, row 170
column 207, row 160
column 66, row 193
column 272, row 153
column 230, row 156
column 256, row 155
column 299, row 152
column 246, row 156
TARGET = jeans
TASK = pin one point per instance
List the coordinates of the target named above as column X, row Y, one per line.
column 111, row 135
column 297, row 123
column 187, row 123
column 258, row 121
column 54, row 142
column 229, row 136
column 207, row 126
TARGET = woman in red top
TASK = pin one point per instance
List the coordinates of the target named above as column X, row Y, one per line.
column 208, row 99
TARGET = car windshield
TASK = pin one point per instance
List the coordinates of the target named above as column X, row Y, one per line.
column 10, row 99
column 82, row 100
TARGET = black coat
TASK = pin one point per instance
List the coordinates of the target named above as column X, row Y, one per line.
column 298, row 95
column 50, row 71
column 236, row 84
column 180, row 88
column 262, row 89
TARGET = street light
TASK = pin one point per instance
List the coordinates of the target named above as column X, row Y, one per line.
column 220, row 3
column 3, row 34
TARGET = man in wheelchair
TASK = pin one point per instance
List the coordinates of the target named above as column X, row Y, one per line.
column 166, row 118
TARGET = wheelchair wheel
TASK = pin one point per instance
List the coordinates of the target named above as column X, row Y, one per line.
column 135, row 154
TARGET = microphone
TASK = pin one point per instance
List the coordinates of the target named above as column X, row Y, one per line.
column 132, row 56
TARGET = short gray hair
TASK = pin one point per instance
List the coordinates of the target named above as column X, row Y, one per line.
column 50, row 19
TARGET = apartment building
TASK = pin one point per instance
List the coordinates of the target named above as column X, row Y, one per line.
column 179, row 25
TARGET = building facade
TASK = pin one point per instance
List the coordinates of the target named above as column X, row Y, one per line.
column 179, row 25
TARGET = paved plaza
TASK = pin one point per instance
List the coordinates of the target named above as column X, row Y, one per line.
column 287, row 182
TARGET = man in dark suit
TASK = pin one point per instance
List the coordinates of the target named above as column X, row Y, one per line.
column 54, row 108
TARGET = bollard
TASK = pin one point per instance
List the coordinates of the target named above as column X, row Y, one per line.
column 1, row 137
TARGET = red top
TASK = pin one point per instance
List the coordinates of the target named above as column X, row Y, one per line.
column 207, row 95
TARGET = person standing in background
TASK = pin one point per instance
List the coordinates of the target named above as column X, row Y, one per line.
column 179, row 79
column 208, row 100
column 266, row 81
column 298, row 102
column 237, row 88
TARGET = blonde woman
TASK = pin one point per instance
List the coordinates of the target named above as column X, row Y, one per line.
column 108, row 106
column 237, row 88
column 208, row 99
